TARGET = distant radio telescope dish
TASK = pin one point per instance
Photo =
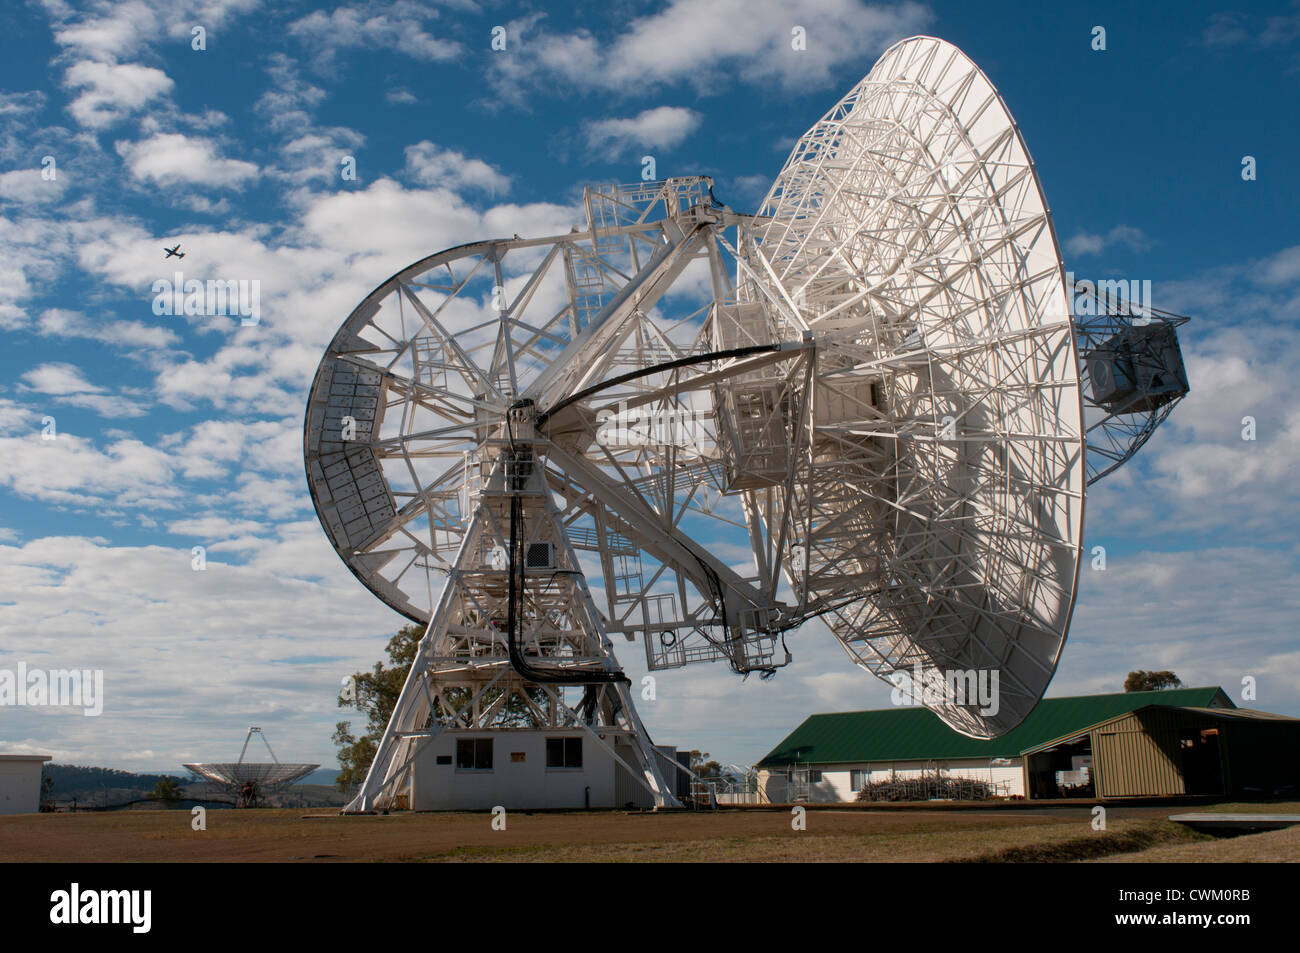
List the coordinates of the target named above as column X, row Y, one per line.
column 248, row 781
column 874, row 416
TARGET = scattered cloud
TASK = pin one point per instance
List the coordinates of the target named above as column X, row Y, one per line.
column 21, row 103
column 400, row 27
column 1124, row 236
column 71, row 470
column 29, row 187
column 176, row 159
column 661, row 127
column 66, row 384
column 703, row 43
column 110, row 92
column 59, row 380
column 447, row 168
column 56, row 322
column 205, row 635
column 1235, row 28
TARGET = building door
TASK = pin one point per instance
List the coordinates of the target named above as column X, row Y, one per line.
column 1202, row 762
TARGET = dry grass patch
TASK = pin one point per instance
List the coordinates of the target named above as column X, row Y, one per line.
column 1118, row 838
column 1270, row 847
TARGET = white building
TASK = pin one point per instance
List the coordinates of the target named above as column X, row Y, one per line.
column 526, row 768
column 20, row 782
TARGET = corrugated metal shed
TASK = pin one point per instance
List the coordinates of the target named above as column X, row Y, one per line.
column 1138, row 754
column 917, row 734
column 1143, row 752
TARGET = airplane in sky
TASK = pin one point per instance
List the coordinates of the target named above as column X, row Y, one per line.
column 174, row 251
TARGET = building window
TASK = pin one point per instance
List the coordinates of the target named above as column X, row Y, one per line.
column 564, row 752
column 814, row 776
column 473, row 754
column 859, row 778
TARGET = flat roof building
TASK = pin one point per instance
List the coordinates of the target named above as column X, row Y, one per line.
column 20, row 782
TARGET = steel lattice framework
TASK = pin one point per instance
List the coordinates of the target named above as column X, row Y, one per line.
column 873, row 415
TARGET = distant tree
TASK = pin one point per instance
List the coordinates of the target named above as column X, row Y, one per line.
column 1143, row 681
column 167, row 789
column 702, row 765
column 47, row 793
column 376, row 693
column 79, row 778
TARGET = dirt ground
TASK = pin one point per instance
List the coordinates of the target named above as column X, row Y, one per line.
column 766, row 836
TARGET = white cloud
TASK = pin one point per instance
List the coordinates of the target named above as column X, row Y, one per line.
column 59, row 323
column 288, row 104
column 29, row 187
column 114, row 29
column 34, row 249
column 1212, row 615
column 266, row 642
column 317, row 157
column 446, row 168
column 706, row 42
column 213, row 527
column 71, row 470
column 108, row 31
column 752, row 187
column 1127, row 236
column 1197, row 475
column 1235, row 28
column 398, row 26
column 21, row 103
column 177, row 159
column 112, row 91
column 66, row 385
column 310, row 153
column 211, row 447
column 1280, row 269
column 59, row 379
column 661, row 127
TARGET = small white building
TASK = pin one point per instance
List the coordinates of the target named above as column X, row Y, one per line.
column 526, row 768
column 20, row 782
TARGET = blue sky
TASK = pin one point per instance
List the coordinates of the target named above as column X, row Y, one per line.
column 175, row 432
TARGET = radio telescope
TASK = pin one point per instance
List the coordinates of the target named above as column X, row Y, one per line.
column 248, row 781
column 883, row 413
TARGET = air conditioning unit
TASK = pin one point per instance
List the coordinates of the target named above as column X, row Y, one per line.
column 540, row 556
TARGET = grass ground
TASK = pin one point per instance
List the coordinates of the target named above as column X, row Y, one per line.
column 1134, row 834
column 1270, row 846
column 1245, row 807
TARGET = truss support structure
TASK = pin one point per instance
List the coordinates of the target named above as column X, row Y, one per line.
column 515, row 640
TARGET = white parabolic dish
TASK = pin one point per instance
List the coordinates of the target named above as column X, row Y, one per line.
column 266, row 774
column 913, row 214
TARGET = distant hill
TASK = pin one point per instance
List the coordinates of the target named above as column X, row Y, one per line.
column 73, row 780
column 108, row 787
column 322, row 776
